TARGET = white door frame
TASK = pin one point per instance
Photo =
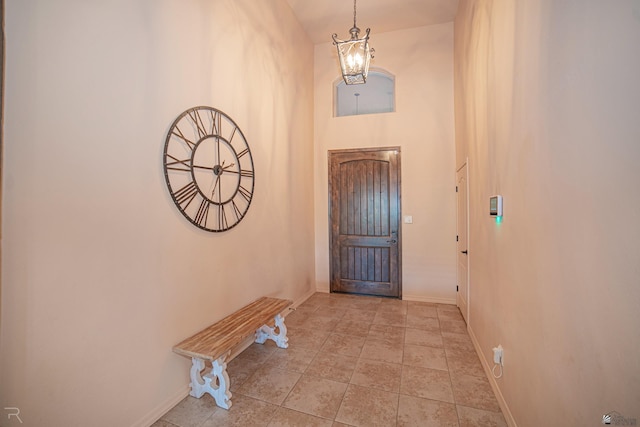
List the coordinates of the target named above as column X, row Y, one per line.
column 467, row 299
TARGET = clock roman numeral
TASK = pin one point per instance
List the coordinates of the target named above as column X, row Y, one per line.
column 243, row 172
column 222, row 218
column 215, row 122
column 203, row 213
column 243, row 152
column 178, row 165
column 186, row 194
column 233, row 133
column 244, row 193
column 236, row 210
column 177, row 132
column 194, row 115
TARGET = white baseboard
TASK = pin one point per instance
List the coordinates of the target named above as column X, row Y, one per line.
column 302, row 299
column 164, row 407
column 508, row 416
column 420, row 298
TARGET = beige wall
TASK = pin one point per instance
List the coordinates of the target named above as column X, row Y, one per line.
column 101, row 275
column 547, row 111
column 422, row 62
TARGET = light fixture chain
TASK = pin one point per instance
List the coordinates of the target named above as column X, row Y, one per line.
column 354, row 14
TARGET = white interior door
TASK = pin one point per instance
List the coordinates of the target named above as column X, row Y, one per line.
column 462, row 296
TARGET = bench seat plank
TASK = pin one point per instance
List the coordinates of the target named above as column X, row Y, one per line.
column 219, row 338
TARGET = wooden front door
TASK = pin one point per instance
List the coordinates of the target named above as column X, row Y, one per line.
column 364, row 220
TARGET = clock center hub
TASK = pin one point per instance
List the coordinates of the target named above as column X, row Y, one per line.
column 217, row 170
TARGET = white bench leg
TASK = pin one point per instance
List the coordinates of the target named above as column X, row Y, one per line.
column 265, row 333
column 216, row 383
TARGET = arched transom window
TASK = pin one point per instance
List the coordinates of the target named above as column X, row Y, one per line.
column 375, row 96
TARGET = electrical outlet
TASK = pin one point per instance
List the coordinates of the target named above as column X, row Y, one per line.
column 498, row 355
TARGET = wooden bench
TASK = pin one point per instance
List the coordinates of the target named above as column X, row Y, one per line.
column 216, row 342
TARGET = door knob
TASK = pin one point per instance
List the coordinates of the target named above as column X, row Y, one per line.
column 392, row 241
column 464, row 252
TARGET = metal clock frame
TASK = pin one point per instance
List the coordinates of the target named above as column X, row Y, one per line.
column 196, row 126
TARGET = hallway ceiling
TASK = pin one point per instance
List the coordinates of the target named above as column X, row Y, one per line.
column 321, row 18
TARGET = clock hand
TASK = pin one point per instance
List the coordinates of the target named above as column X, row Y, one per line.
column 228, row 166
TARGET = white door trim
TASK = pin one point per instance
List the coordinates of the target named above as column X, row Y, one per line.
column 467, row 292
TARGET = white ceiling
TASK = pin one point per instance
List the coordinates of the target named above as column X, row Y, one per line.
column 321, row 18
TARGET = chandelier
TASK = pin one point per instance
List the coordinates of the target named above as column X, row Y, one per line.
column 354, row 54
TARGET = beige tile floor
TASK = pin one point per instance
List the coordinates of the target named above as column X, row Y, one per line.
column 355, row 361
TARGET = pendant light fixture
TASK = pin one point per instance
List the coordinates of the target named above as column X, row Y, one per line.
column 355, row 54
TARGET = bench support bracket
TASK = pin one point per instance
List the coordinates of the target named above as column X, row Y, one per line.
column 216, row 383
column 265, row 333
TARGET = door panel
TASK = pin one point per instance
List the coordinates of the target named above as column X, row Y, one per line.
column 462, row 297
column 364, row 220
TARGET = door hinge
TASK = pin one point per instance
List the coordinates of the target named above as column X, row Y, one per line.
column 456, row 238
column 456, row 288
column 456, row 188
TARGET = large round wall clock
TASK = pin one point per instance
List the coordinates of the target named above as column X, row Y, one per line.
column 209, row 169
